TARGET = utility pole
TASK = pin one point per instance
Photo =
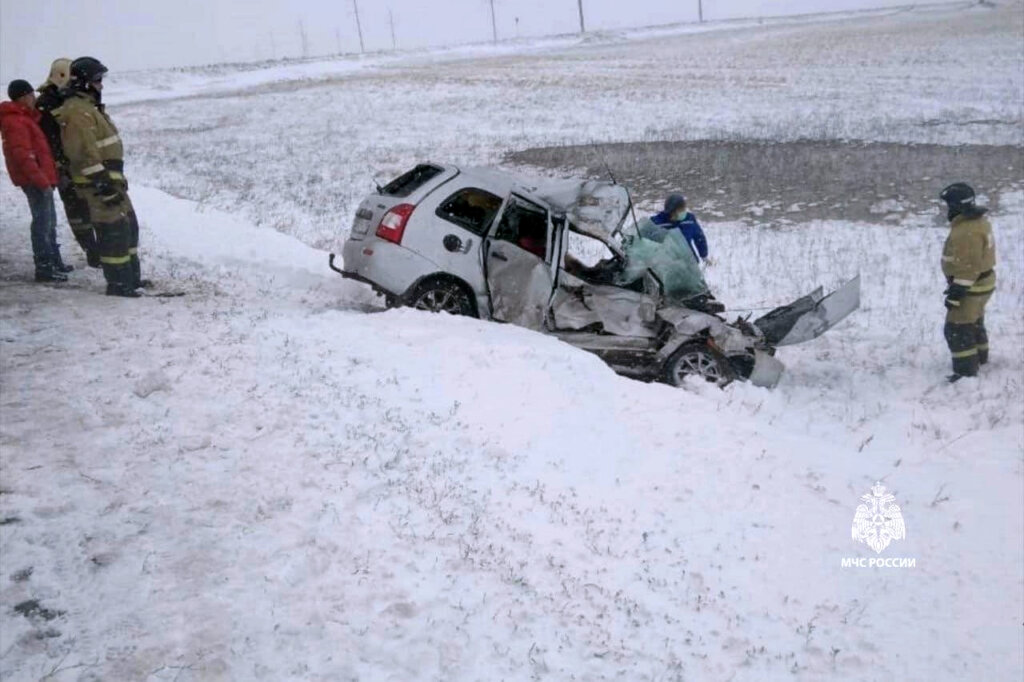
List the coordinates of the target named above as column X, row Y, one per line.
column 700, row 10
column 494, row 23
column 303, row 39
column 583, row 27
column 359, row 27
column 391, row 20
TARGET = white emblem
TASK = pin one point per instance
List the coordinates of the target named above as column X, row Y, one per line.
column 878, row 521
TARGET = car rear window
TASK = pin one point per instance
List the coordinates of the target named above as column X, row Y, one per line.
column 407, row 183
column 471, row 208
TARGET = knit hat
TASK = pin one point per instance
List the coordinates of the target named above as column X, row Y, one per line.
column 674, row 202
column 19, row 88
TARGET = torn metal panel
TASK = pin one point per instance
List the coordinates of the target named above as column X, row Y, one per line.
column 520, row 285
column 811, row 316
column 577, row 305
column 595, row 208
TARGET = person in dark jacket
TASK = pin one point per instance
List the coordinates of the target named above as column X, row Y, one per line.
column 676, row 217
column 52, row 94
column 31, row 167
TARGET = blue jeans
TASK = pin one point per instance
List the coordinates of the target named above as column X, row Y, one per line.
column 44, row 227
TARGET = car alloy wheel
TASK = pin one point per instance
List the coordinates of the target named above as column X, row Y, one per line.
column 443, row 297
column 699, row 360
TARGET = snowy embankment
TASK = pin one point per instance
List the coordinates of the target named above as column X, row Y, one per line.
column 273, row 479
column 264, row 480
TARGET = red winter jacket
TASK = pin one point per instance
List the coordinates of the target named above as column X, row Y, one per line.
column 29, row 160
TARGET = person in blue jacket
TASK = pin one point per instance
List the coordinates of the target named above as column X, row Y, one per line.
column 676, row 217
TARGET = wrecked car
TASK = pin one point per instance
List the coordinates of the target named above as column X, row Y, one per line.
column 562, row 257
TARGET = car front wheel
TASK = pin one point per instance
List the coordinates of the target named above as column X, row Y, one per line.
column 440, row 296
column 698, row 361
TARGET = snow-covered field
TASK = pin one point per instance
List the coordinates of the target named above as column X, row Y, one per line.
column 273, row 479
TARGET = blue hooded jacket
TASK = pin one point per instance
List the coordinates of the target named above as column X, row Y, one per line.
column 689, row 227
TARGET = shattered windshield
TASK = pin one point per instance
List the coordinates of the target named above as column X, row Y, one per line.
column 666, row 253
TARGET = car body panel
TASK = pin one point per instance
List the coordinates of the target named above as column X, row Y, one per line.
column 391, row 268
column 810, row 316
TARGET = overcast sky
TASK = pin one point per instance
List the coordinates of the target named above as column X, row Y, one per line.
column 138, row 34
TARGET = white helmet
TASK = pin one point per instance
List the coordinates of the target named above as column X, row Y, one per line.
column 60, row 73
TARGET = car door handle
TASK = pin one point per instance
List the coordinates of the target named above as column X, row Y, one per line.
column 498, row 255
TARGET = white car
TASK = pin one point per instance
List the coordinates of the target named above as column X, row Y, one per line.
column 490, row 244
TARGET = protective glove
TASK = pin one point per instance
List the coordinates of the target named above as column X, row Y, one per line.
column 108, row 193
column 954, row 295
column 63, row 182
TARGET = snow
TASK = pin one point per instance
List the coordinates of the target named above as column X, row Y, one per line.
column 272, row 478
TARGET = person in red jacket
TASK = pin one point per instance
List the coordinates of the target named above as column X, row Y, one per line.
column 31, row 167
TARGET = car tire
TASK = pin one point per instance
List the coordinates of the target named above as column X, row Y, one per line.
column 443, row 296
column 698, row 360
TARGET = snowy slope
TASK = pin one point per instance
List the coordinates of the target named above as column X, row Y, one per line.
column 272, row 478
column 263, row 481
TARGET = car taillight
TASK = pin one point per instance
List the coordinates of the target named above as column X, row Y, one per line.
column 392, row 225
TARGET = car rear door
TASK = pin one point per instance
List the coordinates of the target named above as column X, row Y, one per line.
column 517, row 262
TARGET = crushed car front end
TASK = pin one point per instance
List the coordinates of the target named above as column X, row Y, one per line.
column 750, row 357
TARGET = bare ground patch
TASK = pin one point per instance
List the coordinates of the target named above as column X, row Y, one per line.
column 791, row 181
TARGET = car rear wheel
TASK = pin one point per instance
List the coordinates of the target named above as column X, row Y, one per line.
column 443, row 296
column 698, row 361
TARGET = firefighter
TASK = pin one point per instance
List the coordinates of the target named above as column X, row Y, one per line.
column 95, row 160
column 968, row 263
column 51, row 96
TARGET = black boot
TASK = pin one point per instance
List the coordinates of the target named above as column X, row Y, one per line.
column 122, row 291
column 60, row 266
column 50, row 276
column 46, row 272
column 119, row 281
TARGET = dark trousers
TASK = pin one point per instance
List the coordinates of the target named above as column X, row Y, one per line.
column 966, row 335
column 45, row 251
column 76, row 208
column 113, row 242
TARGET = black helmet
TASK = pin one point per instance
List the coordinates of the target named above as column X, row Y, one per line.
column 958, row 194
column 86, row 70
column 959, row 198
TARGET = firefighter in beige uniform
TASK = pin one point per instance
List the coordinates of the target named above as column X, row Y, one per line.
column 968, row 262
column 95, row 159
